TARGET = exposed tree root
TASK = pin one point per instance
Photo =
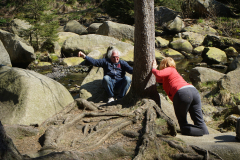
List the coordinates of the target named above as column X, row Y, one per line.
column 206, row 153
column 85, row 105
column 113, row 130
column 171, row 125
column 53, row 134
column 148, row 139
column 93, row 128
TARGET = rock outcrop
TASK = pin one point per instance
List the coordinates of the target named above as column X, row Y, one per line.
column 20, row 51
column 75, row 27
column 202, row 75
column 27, row 97
column 117, row 30
column 4, row 56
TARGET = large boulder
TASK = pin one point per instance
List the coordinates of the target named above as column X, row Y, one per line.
column 198, row 50
column 4, row 57
column 91, row 87
column 173, row 53
column 212, row 55
column 210, row 7
column 19, row 27
column 72, row 61
column 62, row 36
column 230, row 82
column 181, row 45
column 235, row 64
column 201, row 75
column 20, row 52
column 75, row 27
column 91, row 42
column 224, row 145
column 27, row 97
column 117, row 30
column 195, row 39
column 163, row 15
column 175, row 26
column 161, row 42
column 196, row 28
column 231, row 52
column 221, row 42
column 93, row 28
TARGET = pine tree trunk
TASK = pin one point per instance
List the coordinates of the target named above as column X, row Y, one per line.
column 143, row 83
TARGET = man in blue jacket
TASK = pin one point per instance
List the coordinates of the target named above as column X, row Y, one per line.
column 114, row 81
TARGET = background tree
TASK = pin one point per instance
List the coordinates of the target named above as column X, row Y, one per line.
column 44, row 27
column 144, row 82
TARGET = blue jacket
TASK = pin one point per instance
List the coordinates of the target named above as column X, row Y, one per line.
column 115, row 71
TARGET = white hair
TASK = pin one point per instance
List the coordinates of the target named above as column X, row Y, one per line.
column 110, row 52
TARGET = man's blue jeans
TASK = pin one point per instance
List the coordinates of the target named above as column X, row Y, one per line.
column 118, row 87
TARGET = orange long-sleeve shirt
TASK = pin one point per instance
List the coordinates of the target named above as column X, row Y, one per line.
column 172, row 81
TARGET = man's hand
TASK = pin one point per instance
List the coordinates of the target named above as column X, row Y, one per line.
column 154, row 64
column 81, row 54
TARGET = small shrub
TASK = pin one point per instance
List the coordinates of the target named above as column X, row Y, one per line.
column 71, row 1
column 2, row 21
column 200, row 20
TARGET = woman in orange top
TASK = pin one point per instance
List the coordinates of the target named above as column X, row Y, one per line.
column 185, row 97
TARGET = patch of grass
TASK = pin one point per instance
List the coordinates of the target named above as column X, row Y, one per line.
column 207, row 85
column 4, row 21
column 123, row 40
column 200, row 20
column 160, row 121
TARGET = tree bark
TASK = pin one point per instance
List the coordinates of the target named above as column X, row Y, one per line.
column 144, row 82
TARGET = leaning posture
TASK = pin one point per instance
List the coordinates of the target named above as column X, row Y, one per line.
column 185, row 97
column 114, row 81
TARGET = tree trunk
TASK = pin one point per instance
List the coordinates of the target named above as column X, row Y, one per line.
column 144, row 82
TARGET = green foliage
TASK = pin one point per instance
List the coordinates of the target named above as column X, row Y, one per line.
column 172, row 4
column 71, row 1
column 200, row 20
column 124, row 9
column 3, row 21
column 44, row 27
column 121, row 9
column 86, row 1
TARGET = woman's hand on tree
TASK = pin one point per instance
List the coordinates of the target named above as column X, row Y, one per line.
column 154, row 64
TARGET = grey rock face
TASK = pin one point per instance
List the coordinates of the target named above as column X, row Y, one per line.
column 117, row 30
column 231, row 82
column 75, row 27
column 202, row 74
column 27, row 97
column 93, row 28
column 19, row 27
column 18, row 49
column 4, row 56
column 235, row 64
column 163, row 15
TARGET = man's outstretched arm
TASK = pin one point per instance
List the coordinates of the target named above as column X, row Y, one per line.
column 95, row 62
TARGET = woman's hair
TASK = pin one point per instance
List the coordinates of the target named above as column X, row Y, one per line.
column 167, row 62
column 109, row 54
